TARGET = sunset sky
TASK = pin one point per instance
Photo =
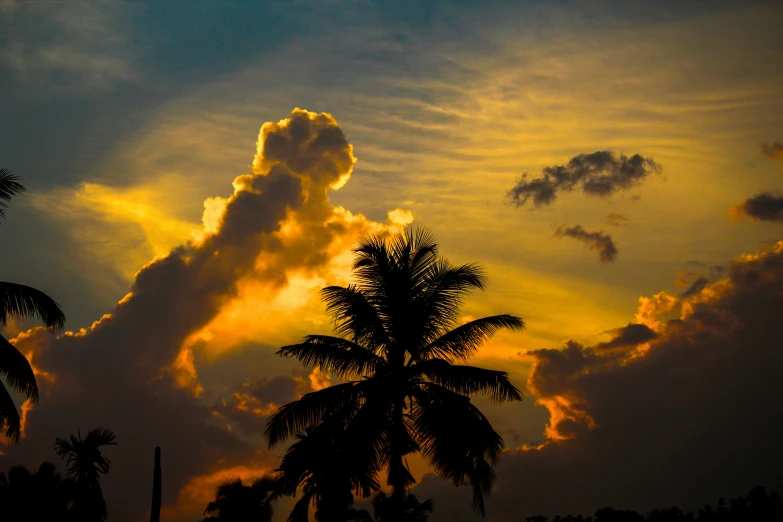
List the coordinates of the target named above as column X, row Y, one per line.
column 650, row 275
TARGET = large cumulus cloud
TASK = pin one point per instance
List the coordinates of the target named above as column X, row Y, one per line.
column 600, row 174
column 136, row 369
column 684, row 413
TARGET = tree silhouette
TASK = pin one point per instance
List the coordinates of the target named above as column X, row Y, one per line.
column 86, row 463
column 38, row 495
column 391, row 509
column 237, row 502
column 327, row 470
column 397, row 340
column 17, row 302
column 756, row 507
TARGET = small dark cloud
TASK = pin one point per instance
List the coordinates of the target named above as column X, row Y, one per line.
column 631, row 335
column 598, row 241
column 599, row 174
column 773, row 151
column 696, row 287
column 693, row 262
column 761, row 207
column 615, row 219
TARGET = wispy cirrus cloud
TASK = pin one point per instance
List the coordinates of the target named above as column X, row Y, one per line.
column 74, row 47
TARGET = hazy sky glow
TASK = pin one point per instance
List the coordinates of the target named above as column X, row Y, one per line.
column 129, row 122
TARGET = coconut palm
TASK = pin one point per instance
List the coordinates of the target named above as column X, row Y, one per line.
column 17, row 302
column 398, row 339
column 38, row 495
column 327, row 470
column 237, row 502
column 390, row 509
column 86, row 463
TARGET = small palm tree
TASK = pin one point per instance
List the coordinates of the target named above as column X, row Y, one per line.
column 86, row 464
column 327, row 470
column 398, row 339
column 237, row 502
column 17, row 302
column 390, row 509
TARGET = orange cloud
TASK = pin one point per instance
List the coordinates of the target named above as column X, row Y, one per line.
column 256, row 264
column 200, row 490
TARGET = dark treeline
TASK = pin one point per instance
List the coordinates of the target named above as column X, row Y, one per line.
column 757, row 506
column 42, row 494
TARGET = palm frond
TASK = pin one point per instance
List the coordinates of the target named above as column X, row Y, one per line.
column 463, row 342
column 83, row 456
column 457, row 440
column 100, row 436
column 354, row 316
column 9, row 416
column 9, row 187
column 301, row 510
column 297, row 415
column 16, row 370
column 335, row 355
column 20, row 301
column 444, row 289
column 469, row 380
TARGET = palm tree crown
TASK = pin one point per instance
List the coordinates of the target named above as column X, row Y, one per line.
column 390, row 509
column 327, row 470
column 18, row 302
column 237, row 502
column 86, row 463
column 397, row 344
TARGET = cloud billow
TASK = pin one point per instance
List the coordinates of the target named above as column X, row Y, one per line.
column 677, row 411
column 598, row 241
column 599, row 174
column 133, row 370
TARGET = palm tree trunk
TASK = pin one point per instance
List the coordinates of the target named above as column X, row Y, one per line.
column 397, row 466
column 156, row 489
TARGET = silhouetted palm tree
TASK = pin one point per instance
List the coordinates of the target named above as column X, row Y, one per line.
column 86, row 463
column 237, row 502
column 397, row 340
column 391, row 509
column 327, row 470
column 38, row 495
column 19, row 301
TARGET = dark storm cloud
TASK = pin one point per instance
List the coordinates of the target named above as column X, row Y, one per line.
column 773, row 151
column 681, row 422
column 598, row 174
column 761, row 207
column 630, row 335
column 120, row 373
column 598, row 241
